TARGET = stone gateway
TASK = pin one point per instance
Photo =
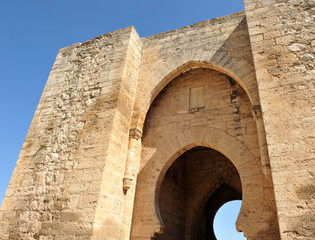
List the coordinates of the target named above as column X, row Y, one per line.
column 146, row 138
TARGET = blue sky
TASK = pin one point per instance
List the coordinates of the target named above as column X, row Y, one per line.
column 32, row 32
column 224, row 222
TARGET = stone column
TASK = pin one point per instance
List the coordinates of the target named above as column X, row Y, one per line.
column 131, row 168
column 257, row 114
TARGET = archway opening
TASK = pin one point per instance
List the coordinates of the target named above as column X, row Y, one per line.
column 224, row 221
column 195, row 186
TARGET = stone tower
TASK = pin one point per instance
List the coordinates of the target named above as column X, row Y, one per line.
column 140, row 138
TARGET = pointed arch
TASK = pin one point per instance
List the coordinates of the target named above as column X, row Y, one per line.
column 146, row 211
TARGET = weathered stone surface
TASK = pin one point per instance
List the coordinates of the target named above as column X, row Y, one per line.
column 118, row 110
column 286, row 89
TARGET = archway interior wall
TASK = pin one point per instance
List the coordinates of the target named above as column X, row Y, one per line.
column 226, row 107
column 223, row 122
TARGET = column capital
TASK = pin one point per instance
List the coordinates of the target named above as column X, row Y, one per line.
column 256, row 111
column 135, row 133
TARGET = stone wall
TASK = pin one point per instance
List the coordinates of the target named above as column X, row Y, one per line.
column 67, row 173
column 172, row 202
column 217, row 84
column 282, row 39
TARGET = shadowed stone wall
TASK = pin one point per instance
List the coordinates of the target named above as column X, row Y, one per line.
column 197, row 184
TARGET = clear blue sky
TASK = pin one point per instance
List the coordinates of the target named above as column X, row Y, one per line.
column 32, row 32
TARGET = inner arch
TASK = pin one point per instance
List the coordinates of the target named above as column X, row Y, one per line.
column 196, row 185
